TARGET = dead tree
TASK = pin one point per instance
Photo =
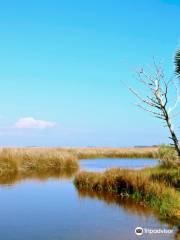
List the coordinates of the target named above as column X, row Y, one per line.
column 157, row 99
column 177, row 63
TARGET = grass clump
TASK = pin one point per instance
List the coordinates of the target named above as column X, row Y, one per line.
column 7, row 167
column 35, row 160
column 169, row 176
column 168, row 156
column 134, row 184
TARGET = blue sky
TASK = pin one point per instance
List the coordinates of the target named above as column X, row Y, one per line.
column 62, row 65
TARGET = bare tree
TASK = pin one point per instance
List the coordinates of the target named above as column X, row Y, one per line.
column 157, row 100
column 177, row 63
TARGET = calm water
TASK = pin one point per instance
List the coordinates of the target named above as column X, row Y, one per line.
column 52, row 209
column 98, row 165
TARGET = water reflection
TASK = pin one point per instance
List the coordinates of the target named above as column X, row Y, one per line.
column 56, row 194
column 15, row 178
column 126, row 203
column 130, row 206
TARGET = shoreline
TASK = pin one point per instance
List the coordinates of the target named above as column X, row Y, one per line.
column 152, row 186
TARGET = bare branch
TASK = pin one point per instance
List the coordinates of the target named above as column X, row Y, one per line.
column 157, row 100
column 148, row 110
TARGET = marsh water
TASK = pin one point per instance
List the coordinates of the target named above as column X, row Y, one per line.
column 99, row 165
column 51, row 208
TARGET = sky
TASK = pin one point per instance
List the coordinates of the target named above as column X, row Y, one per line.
column 62, row 64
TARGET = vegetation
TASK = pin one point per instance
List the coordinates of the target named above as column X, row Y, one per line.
column 168, row 156
column 158, row 187
column 144, row 152
column 138, row 185
column 168, row 176
column 27, row 160
column 128, row 204
column 7, row 167
column 41, row 160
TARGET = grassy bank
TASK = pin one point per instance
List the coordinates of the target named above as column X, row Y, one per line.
column 40, row 160
column 128, row 204
column 137, row 185
column 92, row 152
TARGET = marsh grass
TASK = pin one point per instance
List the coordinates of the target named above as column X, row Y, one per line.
column 84, row 153
column 41, row 160
column 7, row 167
column 168, row 156
column 134, row 184
column 169, row 176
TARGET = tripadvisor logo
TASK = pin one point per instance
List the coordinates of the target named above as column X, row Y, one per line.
column 139, row 231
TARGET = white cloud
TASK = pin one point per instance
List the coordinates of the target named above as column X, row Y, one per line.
column 32, row 123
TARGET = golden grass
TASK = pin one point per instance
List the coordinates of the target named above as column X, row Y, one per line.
column 168, row 156
column 169, row 176
column 134, row 184
column 93, row 152
column 27, row 160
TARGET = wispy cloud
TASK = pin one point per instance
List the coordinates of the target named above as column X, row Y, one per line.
column 32, row 123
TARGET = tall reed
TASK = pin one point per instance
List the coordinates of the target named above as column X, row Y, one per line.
column 27, row 160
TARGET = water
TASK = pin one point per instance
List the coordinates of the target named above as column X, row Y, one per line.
column 50, row 208
column 98, row 165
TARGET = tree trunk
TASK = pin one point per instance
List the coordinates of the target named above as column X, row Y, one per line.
column 173, row 136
